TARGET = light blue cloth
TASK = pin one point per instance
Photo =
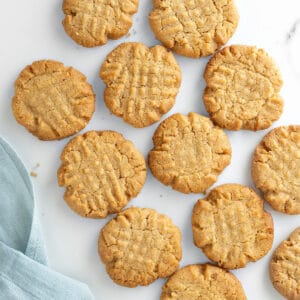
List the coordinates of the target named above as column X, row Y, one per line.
column 24, row 273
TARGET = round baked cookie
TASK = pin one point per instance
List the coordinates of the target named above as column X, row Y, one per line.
column 243, row 85
column 91, row 22
column 285, row 267
column 101, row 171
column 139, row 246
column 231, row 226
column 141, row 83
column 52, row 101
column 276, row 168
column 196, row 282
column 189, row 153
column 193, row 28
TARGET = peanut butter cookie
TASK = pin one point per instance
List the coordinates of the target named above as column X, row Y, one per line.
column 196, row 282
column 91, row 22
column 285, row 267
column 52, row 101
column 193, row 28
column 101, row 172
column 243, row 86
column 141, row 83
column 189, row 153
column 231, row 226
column 139, row 246
column 276, row 168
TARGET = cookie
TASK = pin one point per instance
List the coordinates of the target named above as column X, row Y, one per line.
column 193, row 28
column 231, row 226
column 276, row 168
column 243, row 85
column 189, row 153
column 141, row 83
column 91, row 22
column 205, row 282
column 52, row 101
column 285, row 267
column 139, row 246
column 101, row 171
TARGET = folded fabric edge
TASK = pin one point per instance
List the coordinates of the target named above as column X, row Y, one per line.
column 35, row 246
column 34, row 279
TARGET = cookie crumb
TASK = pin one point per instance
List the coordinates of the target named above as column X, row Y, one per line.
column 36, row 166
column 32, row 173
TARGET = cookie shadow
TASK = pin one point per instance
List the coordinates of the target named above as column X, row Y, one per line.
column 57, row 26
column 99, row 88
column 269, row 286
column 8, row 123
column 189, row 248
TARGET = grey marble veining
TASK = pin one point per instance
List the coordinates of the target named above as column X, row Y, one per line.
column 292, row 42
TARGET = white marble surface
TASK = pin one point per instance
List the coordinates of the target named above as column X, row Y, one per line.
column 32, row 30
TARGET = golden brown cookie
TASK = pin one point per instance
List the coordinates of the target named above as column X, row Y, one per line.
column 101, row 172
column 194, row 28
column 189, row 153
column 276, row 168
column 243, row 85
column 285, row 267
column 202, row 282
column 231, row 226
column 52, row 101
column 139, row 246
column 141, row 83
column 91, row 22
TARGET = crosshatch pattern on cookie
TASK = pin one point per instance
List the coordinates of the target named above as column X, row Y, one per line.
column 189, row 153
column 231, row 226
column 276, row 168
column 141, row 83
column 101, row 171
column 91, row 22
column 285, row 267
column 52, row 101
column 243, row 85
column 139, row 246
column 193, row 28
column 205, row 281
